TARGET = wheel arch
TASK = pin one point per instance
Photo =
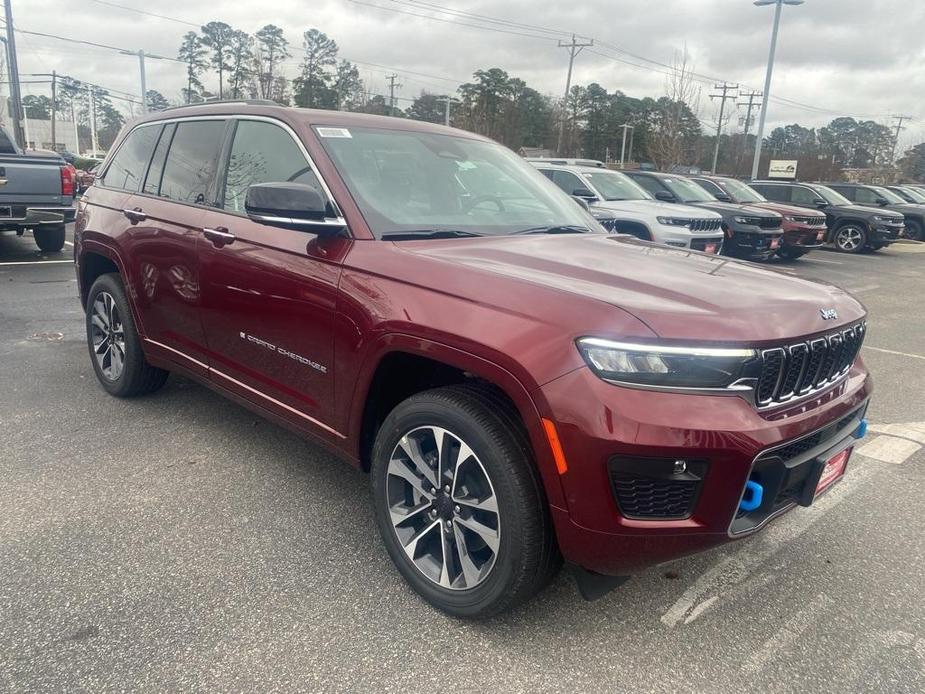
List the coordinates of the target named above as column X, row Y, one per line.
column 433, row 365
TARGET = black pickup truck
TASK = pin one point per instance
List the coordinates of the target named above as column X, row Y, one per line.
column 36, row 192
column 851, row 228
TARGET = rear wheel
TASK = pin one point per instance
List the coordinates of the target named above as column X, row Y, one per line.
column 850, row 238
column 49, row 239
column 458, row 502
column 115, row 348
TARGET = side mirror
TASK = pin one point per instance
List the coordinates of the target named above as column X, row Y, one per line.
column 581, row 202
column 722, row 197
column 883, row 202
column 291, row 206
column 664, row 196
column 583, row 193
column 820, row 203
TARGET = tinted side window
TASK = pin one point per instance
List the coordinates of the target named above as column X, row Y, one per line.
column 710, row 187
column 547, row 173
column 127, row 170
column 803, row 196
column 568, row 182
column 649, row 183
column 192, row 160
column 263, row 153
column 6, row 144
column 864, row 196
column 771, row 192
column 153, row 180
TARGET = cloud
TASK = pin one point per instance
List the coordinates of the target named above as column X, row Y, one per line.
column 849, row 57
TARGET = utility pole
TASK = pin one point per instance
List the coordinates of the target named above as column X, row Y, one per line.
column 392, row 87
column 632, row 139
column 54, row 108
column 574, row 48
column 899, row 126
column 778, row 6
column 447, row 100
column 749, row 105
column 93, row 142
column 141, row 69
column 726, row 88
column 625, row 126
column 15, row 94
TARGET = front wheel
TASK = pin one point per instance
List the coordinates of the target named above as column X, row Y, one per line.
column 49, row 239
column 458, row 502
column 913, row 231
column 115, row 347
column 850, row 238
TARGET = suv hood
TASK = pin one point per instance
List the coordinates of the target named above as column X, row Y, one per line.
column 866, row 211
column 907, row 209
column 657, row 207
column 677, row 293
column 790, row 210
column 731, row 208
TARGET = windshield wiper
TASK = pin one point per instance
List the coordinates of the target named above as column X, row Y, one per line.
column 561, row 229
column 427, row 234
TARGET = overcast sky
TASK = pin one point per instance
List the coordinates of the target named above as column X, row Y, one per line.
column 846, row 57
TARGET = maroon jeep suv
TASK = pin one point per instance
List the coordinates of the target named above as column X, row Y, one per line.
column 521, row 386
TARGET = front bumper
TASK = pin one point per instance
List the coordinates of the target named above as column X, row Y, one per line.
column 804, row 237
column 683, row 238
column 885, row 234
column 724, row 434
column 752, row 243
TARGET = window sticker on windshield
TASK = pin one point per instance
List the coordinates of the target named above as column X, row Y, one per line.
column 465, row 165
column 334, row 132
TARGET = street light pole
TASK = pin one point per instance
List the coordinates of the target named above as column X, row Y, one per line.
column 778, row 5
column 13, row 67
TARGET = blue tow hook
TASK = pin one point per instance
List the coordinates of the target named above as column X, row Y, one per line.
column 751, row 499
column 861, row 431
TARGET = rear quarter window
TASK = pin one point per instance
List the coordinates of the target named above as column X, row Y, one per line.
column 128, row 167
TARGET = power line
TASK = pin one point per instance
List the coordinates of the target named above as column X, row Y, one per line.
column 97, row 45
column 145, row 12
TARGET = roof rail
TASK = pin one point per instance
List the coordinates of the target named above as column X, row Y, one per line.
column 247, row 102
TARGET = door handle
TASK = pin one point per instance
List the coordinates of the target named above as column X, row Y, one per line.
column 135, row 215
column 219, row 237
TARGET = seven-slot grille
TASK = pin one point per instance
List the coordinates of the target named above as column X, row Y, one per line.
column 810, row 221
column 769, row 222
column 806, row 367
column 705, row 224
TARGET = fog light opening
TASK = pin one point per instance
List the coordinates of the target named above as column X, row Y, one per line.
column 752, row 497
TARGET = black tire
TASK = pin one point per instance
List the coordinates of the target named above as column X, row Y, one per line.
column 913, row 231
column 527, row 556
column 49, row 239
column 137, row 376
column 850, row 238
column 791, row 253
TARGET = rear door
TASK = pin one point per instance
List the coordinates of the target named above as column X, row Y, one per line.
column 269, row 293
column 161, row 237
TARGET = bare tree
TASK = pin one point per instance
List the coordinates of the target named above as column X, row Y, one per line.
column 675, row 125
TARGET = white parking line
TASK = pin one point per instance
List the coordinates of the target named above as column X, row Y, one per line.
column 68, row 243
column 889, row 449
column 914, row 431
column 820, row 260
column 893, row 351
column 861, row 290
column 737, row 565
column 38, row 262
column 788, row 634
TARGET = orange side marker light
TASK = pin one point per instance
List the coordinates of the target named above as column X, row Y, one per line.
column 556, row 446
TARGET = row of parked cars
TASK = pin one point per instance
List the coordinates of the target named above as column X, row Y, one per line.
column 718, row 214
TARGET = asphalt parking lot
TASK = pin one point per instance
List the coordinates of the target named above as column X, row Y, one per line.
column 179, row 542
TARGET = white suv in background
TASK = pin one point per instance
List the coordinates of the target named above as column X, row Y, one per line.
column 635, row 211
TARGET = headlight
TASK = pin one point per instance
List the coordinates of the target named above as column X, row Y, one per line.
column 753, row 221
column 666, row 365
column 674, row 221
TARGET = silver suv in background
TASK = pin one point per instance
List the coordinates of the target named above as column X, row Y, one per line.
column 635, row 211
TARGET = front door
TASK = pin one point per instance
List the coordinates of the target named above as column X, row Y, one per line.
column 269, row 294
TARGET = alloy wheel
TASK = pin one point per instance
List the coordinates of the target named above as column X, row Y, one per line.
column 849, row 239
column 443, row 508
column 107, row 335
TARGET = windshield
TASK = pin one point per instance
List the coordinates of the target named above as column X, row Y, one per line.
column 888, row 195
column 408, row 181
column 616, row 186
column 831, row 197
column 687, row 191
column 915, row 195
column 741, row 192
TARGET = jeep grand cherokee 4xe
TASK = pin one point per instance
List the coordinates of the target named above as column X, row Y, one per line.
column 751, row 232
column 852, row 228
column 521, row 386
column 802, row 231
column 634, row 211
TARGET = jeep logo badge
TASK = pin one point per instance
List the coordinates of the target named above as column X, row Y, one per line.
column 828, row 313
